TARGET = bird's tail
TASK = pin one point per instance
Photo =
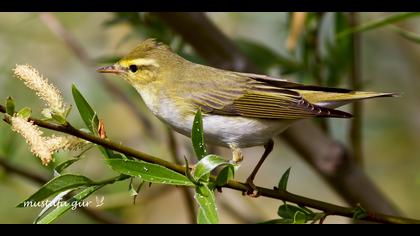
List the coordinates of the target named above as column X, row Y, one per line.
column 338, row 99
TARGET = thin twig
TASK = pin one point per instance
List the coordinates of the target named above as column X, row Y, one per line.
column 355, row 132
column 39, row 179
column 328, row 208
column 188, row 195
column 54, row 24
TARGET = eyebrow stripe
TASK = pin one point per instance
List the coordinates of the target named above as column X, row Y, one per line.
column 145, row 62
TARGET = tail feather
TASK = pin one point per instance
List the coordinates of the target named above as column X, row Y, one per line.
column 334, row 100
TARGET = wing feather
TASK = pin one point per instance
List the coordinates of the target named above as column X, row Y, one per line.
column 254, row 97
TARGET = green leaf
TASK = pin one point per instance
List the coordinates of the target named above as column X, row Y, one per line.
column 299, row 218
column 59, row 118
column 226, row 174
column 86, row 112
column 278, row 221
column 408, row 35
column 90, row 117
column 25, row 113
column 10, row 106
column 67, row 111
column 51, row 204
column 71, row 203
column 294, row 213
column 378, row 23
column 63, row 165
column 207, row 164
column 359, row 213
column 149, row 172
column 284, row 179
column 207, row 213
column 307, row 210
column 201, row 218
column 197, row 136
column 56, row 185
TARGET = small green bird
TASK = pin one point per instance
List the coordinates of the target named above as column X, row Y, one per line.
column 239, row 109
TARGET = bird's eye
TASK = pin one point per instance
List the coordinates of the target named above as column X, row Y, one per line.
column 133, row 68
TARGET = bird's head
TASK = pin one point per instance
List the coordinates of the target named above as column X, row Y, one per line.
column 145, row 64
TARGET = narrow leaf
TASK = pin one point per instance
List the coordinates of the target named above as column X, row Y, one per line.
column 86, row 112
column 149, row 172
column 89, row 116
column 71, row 204
column 56, row 185
column 299, row 218
column 201, row 218
column 278, row 221
column 25, row 113
column 359, row 213
column 287, row 211
column 207, row 164
column 378, row 23
column 284, row 179
column 408, row 35
column 10, row 106
column 207, row 205
column 51, row 204
column 226, row 174
column 59, row 118
column 197, row 136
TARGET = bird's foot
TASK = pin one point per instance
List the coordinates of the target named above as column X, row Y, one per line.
column 252, row 188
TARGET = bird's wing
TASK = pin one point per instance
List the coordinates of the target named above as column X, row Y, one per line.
column 250, row 97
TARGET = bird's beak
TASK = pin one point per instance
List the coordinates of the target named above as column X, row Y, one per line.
column 110, row 69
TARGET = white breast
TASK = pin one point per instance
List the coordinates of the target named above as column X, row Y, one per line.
column 242, row 131
column 226, row 130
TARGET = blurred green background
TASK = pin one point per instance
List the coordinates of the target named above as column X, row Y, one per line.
column 390, row 132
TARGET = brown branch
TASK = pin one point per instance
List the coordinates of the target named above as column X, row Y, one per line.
column 356, row 84
column 325, row 155
column 188, row 195
column 328, row 208
column 71, row 42
column 39, row 179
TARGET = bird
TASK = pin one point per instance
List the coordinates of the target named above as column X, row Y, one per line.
column 239, row 109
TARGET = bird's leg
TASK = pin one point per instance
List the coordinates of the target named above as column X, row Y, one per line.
column 250, row 180
column 237, row 155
